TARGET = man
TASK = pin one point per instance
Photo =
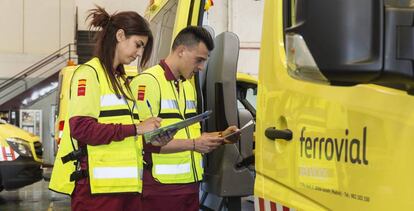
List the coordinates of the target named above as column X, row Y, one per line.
column 172, row 173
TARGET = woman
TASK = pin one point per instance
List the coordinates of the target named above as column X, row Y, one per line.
column 99, row 162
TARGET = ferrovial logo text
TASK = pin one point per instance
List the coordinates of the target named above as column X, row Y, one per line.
column 342, row 149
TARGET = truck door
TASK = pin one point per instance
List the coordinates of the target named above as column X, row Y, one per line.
column 334, row 121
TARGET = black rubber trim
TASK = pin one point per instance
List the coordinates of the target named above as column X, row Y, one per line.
column 136, row 116
column 170, row 116
column 189, row 115
column 201, row 13
column 190, row 13
column 120, row 112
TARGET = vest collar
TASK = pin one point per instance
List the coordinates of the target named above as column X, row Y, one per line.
column 168, row 73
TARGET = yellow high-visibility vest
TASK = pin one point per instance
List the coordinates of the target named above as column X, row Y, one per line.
column 112, row 168
column 183, row 167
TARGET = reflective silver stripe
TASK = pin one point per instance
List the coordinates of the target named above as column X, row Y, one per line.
column 172, row 169
column 115, row 172
column 190, row 104
column 141, row 174
column 111, row 100
column 169, row 104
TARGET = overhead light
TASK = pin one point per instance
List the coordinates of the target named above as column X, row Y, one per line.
column 39, row 93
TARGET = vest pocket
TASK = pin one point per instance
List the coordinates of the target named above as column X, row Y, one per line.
column 173, row 168
column 114, row 171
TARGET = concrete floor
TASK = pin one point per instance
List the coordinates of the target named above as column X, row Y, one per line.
column 37, row 197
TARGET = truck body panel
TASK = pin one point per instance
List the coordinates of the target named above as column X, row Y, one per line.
column 351, row 145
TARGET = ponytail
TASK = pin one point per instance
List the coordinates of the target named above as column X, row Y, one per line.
column 100, row 18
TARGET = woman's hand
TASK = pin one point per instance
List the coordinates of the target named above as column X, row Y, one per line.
column 147, row 125
column 163, row 138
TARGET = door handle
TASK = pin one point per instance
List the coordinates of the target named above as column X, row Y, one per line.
column 272, row 133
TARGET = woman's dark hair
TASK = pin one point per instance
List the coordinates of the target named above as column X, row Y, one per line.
column 132, row 24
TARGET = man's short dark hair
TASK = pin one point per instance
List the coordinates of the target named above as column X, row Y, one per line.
column 193, row 35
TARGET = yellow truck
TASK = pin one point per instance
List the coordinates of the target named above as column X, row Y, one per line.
column 20, row 157
column 334, row 119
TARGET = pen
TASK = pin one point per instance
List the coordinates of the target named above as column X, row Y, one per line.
column 150, row 108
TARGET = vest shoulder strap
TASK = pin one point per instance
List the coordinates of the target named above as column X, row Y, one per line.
column 158, row 83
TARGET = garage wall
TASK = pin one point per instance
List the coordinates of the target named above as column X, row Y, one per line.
column 243, row 17
column 41, row 23
column 11, row 23
column 31, row 30
column 35, row 27
column 110, row 6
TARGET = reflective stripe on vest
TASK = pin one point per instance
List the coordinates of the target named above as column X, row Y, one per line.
column 115, row 172
column 111, row 100
column 176, row 168
column 172, row 169
column 169, row 104
column 190, row 104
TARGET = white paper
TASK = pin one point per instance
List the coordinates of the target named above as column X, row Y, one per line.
column 248, row 124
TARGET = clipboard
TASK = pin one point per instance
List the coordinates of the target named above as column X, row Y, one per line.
column 151, row 135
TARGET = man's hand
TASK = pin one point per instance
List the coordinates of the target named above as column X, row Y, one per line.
column 147, row 125
column 232, row 138
column 207, row 142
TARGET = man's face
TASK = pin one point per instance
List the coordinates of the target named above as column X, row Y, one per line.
column 193, row 60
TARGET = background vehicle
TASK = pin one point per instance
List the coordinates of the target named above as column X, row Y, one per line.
column 20, row 157
column 334, row 119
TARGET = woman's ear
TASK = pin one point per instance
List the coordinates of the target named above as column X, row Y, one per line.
column 120, row 35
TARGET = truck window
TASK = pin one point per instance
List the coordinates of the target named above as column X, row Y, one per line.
column 249, row 100
column 246, row 95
